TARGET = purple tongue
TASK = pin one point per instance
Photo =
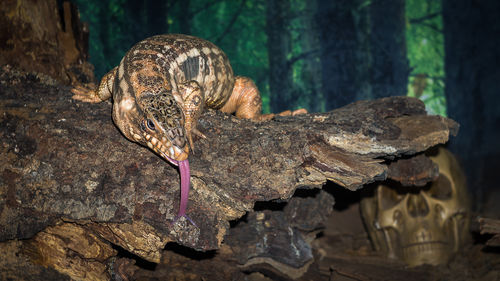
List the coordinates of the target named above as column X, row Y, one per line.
column 185, row 181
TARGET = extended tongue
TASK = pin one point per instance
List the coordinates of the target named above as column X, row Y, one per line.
column 185, row 182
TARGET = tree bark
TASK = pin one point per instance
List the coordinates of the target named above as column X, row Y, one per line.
column 490, row 226
column 58, row 48
column 472, row 75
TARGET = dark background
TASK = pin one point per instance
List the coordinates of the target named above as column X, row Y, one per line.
column 324, row 54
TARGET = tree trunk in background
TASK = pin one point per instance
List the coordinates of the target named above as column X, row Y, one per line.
column 278, row 46
column 363, row 54
column 185, row 17
column 146, row 18
column 338, row 51
column 311, row 71
column 389, row 71
column 134, row 9
column 104, row 34
column 156, row 19
column 472, row 40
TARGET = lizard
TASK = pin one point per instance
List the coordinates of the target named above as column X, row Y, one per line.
column 160, row 88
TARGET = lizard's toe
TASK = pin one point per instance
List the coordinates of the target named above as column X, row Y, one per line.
column 85, row 94
column 199, row 134
column 299, row 111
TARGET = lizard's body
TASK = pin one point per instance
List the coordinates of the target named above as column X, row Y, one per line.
column 160, row 88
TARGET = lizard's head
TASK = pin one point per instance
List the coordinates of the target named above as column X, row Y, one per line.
column 154, row 120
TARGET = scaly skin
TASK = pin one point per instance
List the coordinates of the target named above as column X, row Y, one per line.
column 159, row 90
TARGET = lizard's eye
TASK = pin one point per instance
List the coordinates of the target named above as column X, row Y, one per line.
column 150, row 124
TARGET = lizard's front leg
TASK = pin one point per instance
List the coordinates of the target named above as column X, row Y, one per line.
column 101, row 93
column 193, row 98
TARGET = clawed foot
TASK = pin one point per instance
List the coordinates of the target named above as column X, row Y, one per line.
column 266, row 117
column 299, row 111
column 185, row 216
column 190, row 134
column 293, row 113
column 85, row 94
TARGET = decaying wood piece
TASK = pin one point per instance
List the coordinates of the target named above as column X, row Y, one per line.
column 490, row 226
column 414, row 171
column 14, row 265
column 66, row 160
column 36, row 37
column 267, row 243
column 72, row 250
column 278, row 242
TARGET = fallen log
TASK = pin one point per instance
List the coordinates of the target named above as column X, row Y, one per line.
column 65, row 163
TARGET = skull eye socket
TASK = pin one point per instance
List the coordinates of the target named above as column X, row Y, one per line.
column 441, row 188
column 388, row 197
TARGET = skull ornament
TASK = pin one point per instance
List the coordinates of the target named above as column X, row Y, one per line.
column 420, row 225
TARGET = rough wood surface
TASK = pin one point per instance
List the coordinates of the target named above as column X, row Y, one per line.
column 64, row 161
column 45, row 37
column 278, row 241
column 490, row 226
column 413, row 171
column 341, row 252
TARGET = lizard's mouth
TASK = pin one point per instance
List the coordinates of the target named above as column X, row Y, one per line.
column 166, row 149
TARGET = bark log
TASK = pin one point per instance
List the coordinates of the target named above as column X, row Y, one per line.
column 66, row 159
column 68, row 167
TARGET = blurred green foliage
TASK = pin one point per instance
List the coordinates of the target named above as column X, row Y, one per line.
column 425, row 48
